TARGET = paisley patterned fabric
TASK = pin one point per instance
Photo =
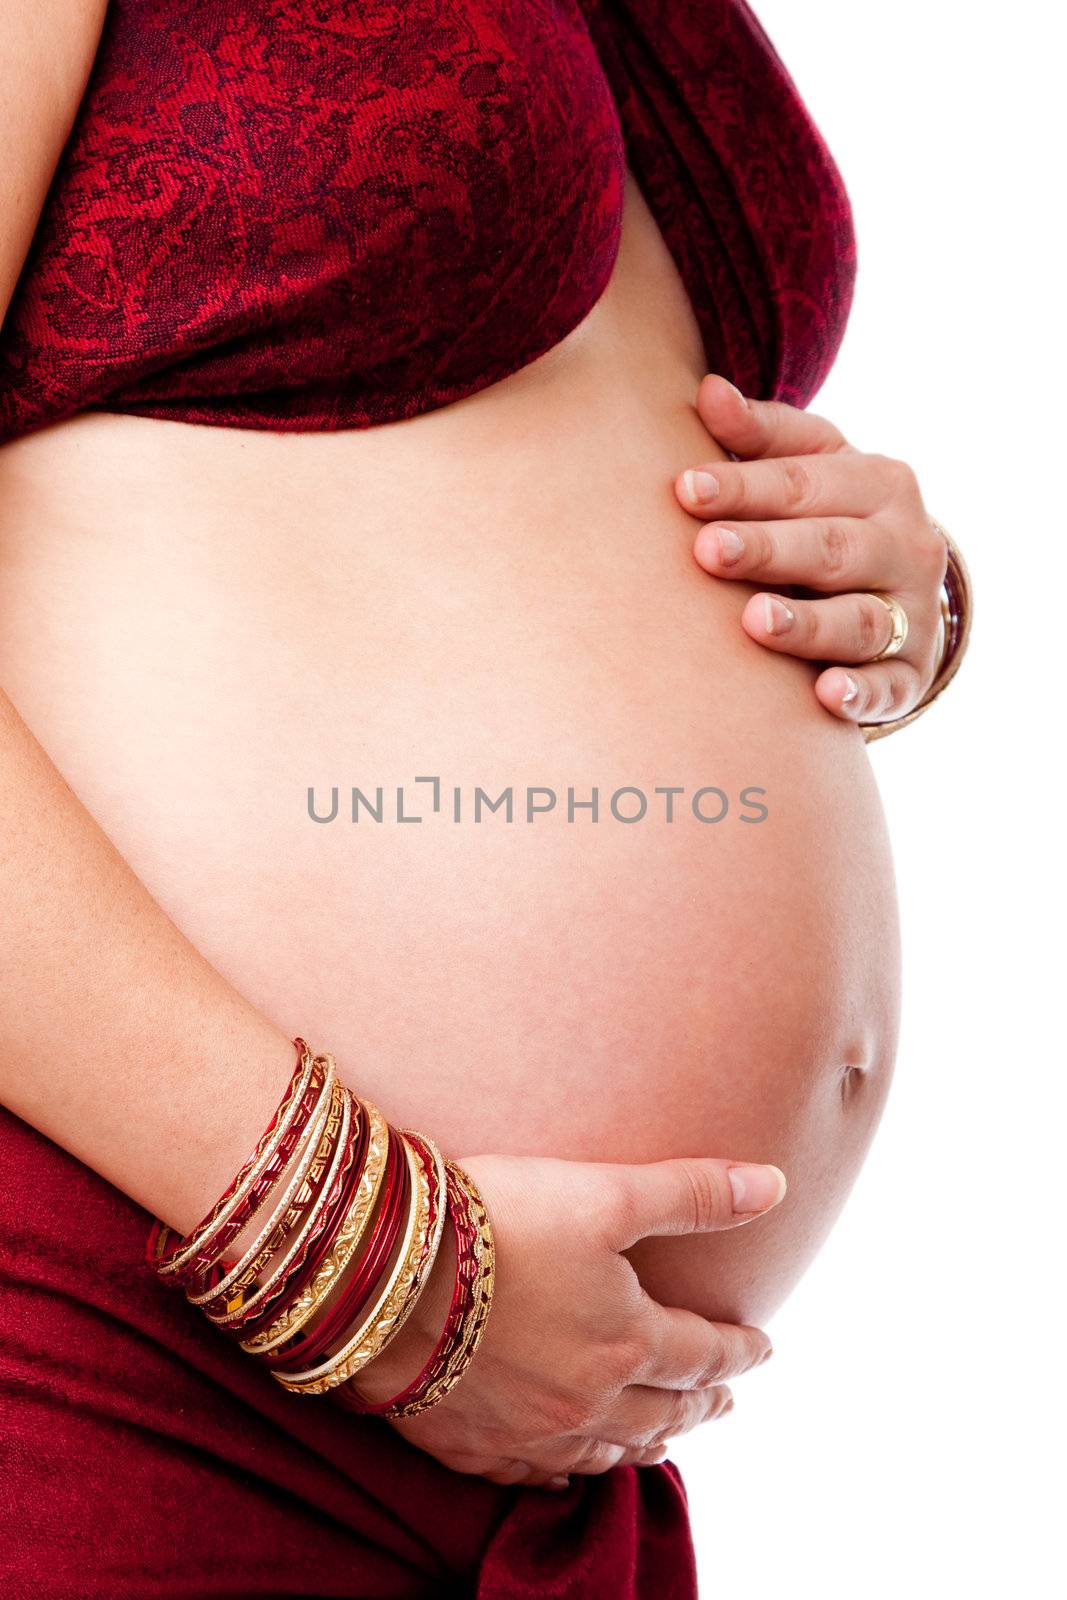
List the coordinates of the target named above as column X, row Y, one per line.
column 313, row 214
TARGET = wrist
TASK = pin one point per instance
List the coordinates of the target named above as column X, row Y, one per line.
column 337, row 1220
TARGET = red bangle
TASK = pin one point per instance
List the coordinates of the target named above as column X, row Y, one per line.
column 364, row 1282
column 195, row 1254
column 320, row 1240
column 454, row 1332
column 201, row 1264
column 356, row 1214
column 158, row 1234
column 303, row 1218
column 224, row 1287
column 309, row 1345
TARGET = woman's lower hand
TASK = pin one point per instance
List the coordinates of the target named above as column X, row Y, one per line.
column 579, row 1369
column 803, row 507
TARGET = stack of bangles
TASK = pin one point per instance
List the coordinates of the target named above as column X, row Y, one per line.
column 339, row 1218
column 956, row 607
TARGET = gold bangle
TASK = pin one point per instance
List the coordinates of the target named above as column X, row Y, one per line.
column 309, row 1203
column 393, row 1303
column 957, row 607
column 272, row 1235
column 349, row 1235
column 329, row 1154
column 246, row 1180
column 432, row 1231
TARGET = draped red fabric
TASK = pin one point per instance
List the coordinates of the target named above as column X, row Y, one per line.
column 307, row 214
column 143, row 1455
column 312, row 215
column 739, row 179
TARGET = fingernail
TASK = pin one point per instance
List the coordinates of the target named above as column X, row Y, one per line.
column 755, row 1188
column 700, row 485
column 777, row 617
column 558, row 1483
column 731, row 547
column 737, row 392
column 852, row 691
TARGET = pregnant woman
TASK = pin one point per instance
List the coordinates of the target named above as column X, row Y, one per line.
column 351, row 475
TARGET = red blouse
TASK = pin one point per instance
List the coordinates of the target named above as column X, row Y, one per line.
column 311, row 214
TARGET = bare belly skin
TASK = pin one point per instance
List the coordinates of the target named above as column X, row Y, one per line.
column 200, row 624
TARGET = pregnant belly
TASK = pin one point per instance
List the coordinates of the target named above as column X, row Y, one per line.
column 204, row 627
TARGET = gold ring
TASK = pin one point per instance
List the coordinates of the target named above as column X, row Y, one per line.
column 899, row 620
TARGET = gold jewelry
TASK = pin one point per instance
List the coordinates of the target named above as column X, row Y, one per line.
column 898, row 618
column 422, row 1252
column 357, row 1210
column 388, row 1312
column 272, row 1235
column 308, row 1204
column 480, row 1306
column 344, row 1247
column 247, row 1177
column 957, row 607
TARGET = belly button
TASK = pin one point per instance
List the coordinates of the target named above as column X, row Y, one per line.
column 853, row 1078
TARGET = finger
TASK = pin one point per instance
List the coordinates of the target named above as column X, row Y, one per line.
column 870, row 694
column 595, row 1456
column 756, row 428
column 842, row 627
column 834, row 554
column 638, row 1457
column 689, row 1352
column 645, row 1417
column 690, row 1194
column 846, row 484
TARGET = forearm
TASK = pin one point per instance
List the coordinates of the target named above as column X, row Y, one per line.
column 117, row 1039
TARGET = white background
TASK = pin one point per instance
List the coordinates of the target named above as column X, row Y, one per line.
column 907, row 1438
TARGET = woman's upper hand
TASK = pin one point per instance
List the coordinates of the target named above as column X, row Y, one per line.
column 803, row 507
column 579, row 1368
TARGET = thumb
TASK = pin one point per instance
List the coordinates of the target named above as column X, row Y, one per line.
column 755, row 429
column 690, row 1194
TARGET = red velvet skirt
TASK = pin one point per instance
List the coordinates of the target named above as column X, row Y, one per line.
column 143, row 1455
